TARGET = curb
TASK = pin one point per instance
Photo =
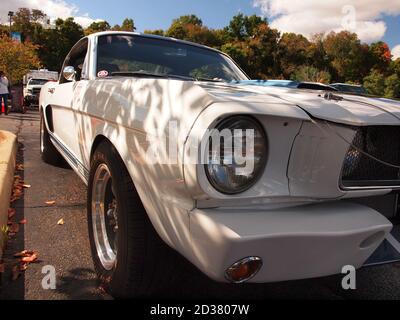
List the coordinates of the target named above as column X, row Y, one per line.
column 8, row 152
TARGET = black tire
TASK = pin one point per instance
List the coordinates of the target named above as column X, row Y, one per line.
column 142, row 259
column 48, row 152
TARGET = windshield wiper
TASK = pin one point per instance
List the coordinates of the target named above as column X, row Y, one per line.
column 150, row 75
column 209, row 80
column 164, row 76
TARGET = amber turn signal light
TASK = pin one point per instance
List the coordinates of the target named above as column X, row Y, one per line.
column 243, row 270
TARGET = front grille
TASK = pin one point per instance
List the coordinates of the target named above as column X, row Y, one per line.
column 381, row 142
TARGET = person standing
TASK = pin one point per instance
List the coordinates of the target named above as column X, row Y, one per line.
column 3, row 92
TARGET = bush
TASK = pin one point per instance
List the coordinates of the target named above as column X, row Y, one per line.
column 392, row 86
column 311, row 74
column 375, row 83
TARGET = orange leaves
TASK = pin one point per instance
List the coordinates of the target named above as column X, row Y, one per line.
column 60, row 222
column 11, row 213
column 25, row 258
column 50, row 203
column 30, row 259
column 18, row 187
column 19, row 167
column 16, row 58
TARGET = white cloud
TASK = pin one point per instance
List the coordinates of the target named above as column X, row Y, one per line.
column 396, row 52
column 53, row 8
column 314, row 16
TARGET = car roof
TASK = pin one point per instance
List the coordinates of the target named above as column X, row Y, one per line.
column 346, row 84
column 152, row 36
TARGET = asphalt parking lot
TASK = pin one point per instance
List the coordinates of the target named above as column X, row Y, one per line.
column 66, row 246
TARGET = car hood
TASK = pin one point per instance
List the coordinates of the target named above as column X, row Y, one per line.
column 350, row 109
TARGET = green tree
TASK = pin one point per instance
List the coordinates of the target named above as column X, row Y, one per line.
column 157, row 32
column 380, row 56
column 57, row 42
column 242, row 27
column 392, row 86
column 29, row 23
column 252, row 42
column 293, row 50
column 311, row 74
column 345, row 55
column 395, row 67
column 128, row 25
column 97, row 27
column 178, row 28
column 375, row 83
column 190, row 28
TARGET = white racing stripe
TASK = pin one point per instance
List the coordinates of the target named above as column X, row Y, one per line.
column 393, row 241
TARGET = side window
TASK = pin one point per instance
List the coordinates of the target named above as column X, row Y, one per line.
column 77, row 59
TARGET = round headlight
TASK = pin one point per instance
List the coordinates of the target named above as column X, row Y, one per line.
column 237, row 154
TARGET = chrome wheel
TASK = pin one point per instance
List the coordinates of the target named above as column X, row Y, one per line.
column 104, row 217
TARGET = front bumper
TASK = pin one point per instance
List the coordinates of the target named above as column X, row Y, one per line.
column 294, row 243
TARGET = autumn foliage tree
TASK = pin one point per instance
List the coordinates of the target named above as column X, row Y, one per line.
column 261, row 51
column 16, row 59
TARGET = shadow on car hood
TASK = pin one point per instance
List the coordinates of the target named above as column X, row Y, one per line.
column 347, row 109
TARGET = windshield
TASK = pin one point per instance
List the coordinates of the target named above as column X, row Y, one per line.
column 351, row 89
column 37, row 82
column 135, row 55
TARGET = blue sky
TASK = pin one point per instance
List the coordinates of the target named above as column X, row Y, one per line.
column 372, row 20
column 155, row 14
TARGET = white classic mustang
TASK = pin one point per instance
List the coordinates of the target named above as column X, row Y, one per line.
column 130, row 114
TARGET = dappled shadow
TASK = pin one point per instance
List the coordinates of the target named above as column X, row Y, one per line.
column 80, row 284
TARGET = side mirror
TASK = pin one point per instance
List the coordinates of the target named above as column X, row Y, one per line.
column 69, row 73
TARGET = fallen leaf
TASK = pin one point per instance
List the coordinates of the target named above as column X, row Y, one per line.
column 15, row 272
column 11, row 212
column 14, row 227
column 60, row 222
column 23, row 221
column 30, row 259
column 24, row 253
column 23, row 267
column 19, row 167
column 50, row 202
column 101, row 290
column 26, row 186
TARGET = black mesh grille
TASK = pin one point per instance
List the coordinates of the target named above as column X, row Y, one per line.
column 383, row 143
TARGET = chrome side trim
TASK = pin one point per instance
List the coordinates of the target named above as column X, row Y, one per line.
column 78, row 167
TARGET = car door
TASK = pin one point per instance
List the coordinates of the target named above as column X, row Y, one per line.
column 66, row 103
